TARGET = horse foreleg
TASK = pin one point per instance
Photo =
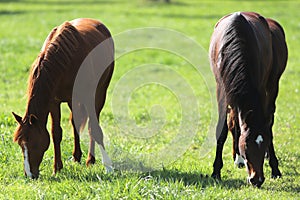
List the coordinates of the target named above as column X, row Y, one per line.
column 81, row 115
column 56, row 136
column 77, row 153
column 238, row 160
column 235, row 131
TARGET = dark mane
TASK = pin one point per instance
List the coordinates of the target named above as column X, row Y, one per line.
column 248, row 54
column 237, row 57
column 55, row 55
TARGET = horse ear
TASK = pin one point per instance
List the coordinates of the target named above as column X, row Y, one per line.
column 18, row 118
column 246, row 117
column 32, row 119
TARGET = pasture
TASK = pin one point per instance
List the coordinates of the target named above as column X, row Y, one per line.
column 150, row 164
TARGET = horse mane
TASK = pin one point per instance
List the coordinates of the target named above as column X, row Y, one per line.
column 56, row 53
column 237, row 58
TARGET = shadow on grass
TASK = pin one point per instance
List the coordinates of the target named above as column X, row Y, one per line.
column 9, row 12
column 131, row 170
column 8, row 1
column 163, row 2
column 176, row 15
column 195, row 179
column 169, row 176
column 189, row 16
column 71, row 2
column 188, row 178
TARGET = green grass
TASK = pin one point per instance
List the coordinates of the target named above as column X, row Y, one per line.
column 24, row 26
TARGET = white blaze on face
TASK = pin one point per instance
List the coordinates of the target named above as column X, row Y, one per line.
column 26, row 162
column 242, row 125
column 106, row 160
column 259, row 139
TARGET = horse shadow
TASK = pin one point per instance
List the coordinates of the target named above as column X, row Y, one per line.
column 191, row 178
column 194, row 179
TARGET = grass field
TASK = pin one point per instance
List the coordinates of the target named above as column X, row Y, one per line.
column 155, row 115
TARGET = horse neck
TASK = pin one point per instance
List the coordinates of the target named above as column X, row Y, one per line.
column 254, row 107
column 39, row 97
column 38, row 107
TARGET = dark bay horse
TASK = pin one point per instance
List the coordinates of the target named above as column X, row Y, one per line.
column 248, row 54
column 51, row 81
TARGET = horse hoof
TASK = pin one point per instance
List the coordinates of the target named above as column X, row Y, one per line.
column 276, row 175
column 109, row 169
column 57, row 167
column 216, row 176
column 53, row 174
column 76, row 159
column 90, row 161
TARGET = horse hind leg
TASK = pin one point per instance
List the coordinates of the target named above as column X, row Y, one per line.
column 273, row 161
column 95, row 130
column 221, row 133
column 96, row 135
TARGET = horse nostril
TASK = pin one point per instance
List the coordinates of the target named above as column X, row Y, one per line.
column 261, row 181
column 256, row 182
column 241, row 165
column 35, row 176
column 252, row 181
column 32, row 176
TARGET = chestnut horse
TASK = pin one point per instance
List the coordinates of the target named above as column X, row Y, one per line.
column 248, row 54
column 51, row 81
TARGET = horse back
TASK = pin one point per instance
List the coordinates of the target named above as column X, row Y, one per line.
column 65, row 49
column 92, row 31
column 241, row 54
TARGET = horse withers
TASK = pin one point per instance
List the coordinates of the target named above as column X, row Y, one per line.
column 248, row 55
column 67, row 49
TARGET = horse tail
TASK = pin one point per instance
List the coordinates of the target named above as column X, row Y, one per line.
column 79, row 117
column 83, row 118
column 83, row 123
column 237, row 55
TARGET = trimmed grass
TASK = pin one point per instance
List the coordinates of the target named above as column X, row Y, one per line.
column 185, row 173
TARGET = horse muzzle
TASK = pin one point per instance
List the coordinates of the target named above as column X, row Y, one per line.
column 33, row 175
column 256, row 181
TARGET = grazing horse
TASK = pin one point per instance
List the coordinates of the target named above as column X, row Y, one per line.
column 51, row 82
column 248, row 54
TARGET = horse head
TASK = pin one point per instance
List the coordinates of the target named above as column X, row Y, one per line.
column 34, row 140
column 253, row 143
